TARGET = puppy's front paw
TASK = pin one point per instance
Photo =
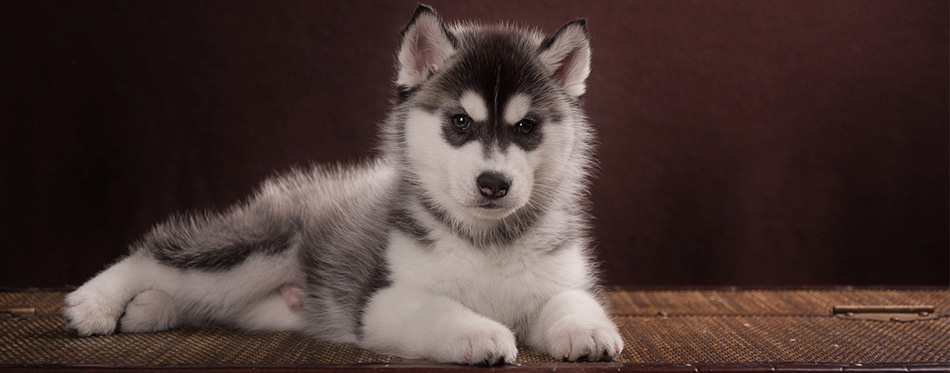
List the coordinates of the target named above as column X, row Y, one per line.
column 88, row 312
column 483, row 343
column 575, row 338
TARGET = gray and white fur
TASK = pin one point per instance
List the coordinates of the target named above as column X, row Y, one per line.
column 468, row 234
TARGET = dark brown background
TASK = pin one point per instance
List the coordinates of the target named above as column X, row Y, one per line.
column 742, row 142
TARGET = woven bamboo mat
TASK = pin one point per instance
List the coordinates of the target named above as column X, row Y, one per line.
column 675, row 327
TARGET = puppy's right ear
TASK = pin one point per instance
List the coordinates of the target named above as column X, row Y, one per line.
column 567, row 55
column 424, row 47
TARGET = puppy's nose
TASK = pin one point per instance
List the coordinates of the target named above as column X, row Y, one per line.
column 493, row 185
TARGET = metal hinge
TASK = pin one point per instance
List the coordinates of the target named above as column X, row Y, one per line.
column 17, row 313
column 886, row 313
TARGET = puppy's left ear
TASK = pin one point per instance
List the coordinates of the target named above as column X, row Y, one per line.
column 424, row 47
column 567, row 57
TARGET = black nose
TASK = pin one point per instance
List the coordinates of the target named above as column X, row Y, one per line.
column 493, row 185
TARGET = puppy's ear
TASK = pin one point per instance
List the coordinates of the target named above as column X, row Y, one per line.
column 424, row 47
column 567, row 57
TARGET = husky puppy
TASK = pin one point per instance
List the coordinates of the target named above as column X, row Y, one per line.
column 467, row 235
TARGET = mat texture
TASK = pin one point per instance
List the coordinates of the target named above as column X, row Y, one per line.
column 674, row 327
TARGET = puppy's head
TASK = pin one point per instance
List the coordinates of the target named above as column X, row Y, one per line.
column 489, row 113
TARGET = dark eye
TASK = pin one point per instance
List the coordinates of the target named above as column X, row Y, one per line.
column 461, row 122
column 525, row 126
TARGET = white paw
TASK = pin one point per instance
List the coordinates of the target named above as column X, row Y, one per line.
column 88, row 312
column 483, row 343
column 577, row 337
column 414, row 323
column 149, row 311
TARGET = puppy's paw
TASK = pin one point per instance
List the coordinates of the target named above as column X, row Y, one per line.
column 579, row 338
column 149, row 311
column 88, row 312
column 483, row 343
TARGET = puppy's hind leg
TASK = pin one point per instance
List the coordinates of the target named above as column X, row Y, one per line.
column 151, row 310
column 208, row 269
column 95, row 307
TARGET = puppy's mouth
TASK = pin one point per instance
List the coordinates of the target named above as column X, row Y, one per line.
column 491, row 205
column 490, row 209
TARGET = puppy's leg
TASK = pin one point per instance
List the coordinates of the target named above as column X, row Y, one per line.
column 95, row 307
column 214, row 269
column 417, row 324
column 574, row 326
column 154, row 296
column 151, row 310
column 154, row 310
